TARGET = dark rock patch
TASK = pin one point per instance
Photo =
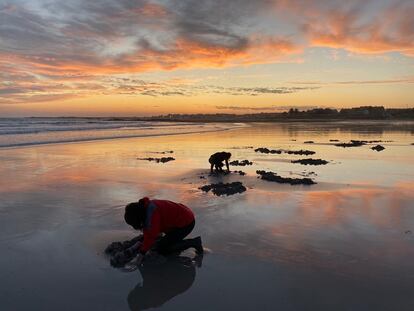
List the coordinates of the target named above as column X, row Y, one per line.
column 270, row 176
column 279, row 151
column 241, row 163
column 358, row 143
column 377, row 141
column 353, row 143
column 158, row 160
column 224, row 189
column 309, row 142
column 311, row 161
column 118, row 252
column 299, row 152
column 267, row 150
column 378, row 148
column 334, row 140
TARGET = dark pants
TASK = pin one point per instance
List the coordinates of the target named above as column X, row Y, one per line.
column 172, row 241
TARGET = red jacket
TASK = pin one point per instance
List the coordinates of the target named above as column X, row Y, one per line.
column 162, row 216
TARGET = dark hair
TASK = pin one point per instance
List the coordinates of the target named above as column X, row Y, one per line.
column 135, row 214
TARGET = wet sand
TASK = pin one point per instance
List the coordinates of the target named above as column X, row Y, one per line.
column 346, row 243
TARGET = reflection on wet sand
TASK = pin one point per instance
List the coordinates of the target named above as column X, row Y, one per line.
column 162, row 282
column 357, row 232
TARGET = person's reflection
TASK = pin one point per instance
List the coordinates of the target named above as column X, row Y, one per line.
column 161, row 282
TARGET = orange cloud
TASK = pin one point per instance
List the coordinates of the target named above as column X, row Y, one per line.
column 153, row 10
column 43, row 78
column 182, row 54
column 389, row 31
column 55, row 52
column 192, row 54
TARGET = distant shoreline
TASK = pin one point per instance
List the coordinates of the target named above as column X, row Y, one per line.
column 364, row 113
column 275, row 121
column 215, row 119
column 377, row 113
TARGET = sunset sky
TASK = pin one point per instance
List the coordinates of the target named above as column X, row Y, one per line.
column 125, row 58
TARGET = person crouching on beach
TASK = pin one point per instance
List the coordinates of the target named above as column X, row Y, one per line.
column 155, row 217
column 216, row 161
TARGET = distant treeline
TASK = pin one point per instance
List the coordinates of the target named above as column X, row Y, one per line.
column 359, row 113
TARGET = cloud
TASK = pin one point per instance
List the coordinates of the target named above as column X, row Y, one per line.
column 172, row 88
column 404, row 80
column 32, row 89
column 361, row 28
column 22, row 99
column 133, row 36
column 75, row 46
column 255, row 91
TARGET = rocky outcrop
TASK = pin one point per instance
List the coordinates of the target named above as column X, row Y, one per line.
column 241, row 163
column 311, row 161
column 119, row 254
column 378, row 148
column 353, row 143
column 267, row 150
column 279, row 151
column 224, row 189
column 273, row 177
column 158, row 160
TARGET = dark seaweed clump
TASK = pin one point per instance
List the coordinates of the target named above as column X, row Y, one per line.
column 267, row 150
column 279, row 151
column 353, row 143
column 158, row 160
column 311, row 161
column 378, row 148
column 270, row 176
column 241, row 163
column 300, row 152
column 224, row 189
column 118, row 252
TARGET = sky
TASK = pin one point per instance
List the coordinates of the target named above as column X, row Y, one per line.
column 133, row 58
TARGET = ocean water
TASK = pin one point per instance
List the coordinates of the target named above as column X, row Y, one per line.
column 33, row 131
column 345, row 243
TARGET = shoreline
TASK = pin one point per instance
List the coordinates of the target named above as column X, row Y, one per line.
column 199, row 121
column 392, row 125
column 276, row 121
column 85, row 140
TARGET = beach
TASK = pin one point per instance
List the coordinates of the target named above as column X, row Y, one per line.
column 344, row 243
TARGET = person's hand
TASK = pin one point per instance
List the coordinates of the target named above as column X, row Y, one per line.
column 118, row 259
column 137, row 260
column 134, row 263
column 133, row 250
